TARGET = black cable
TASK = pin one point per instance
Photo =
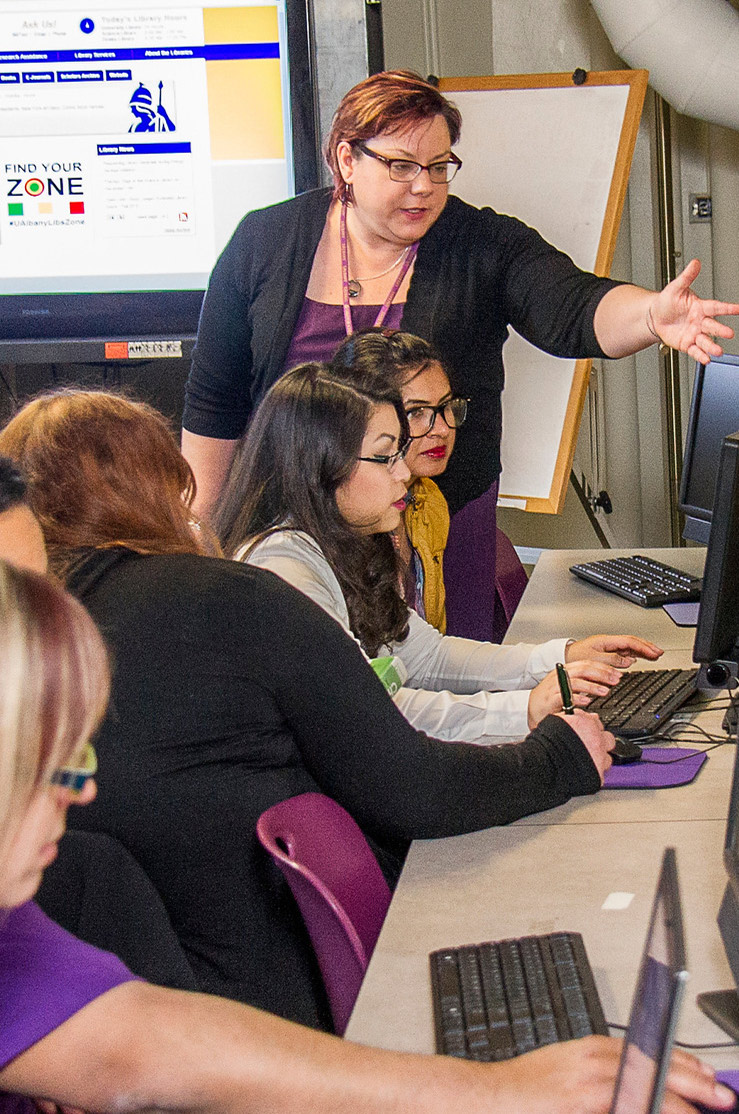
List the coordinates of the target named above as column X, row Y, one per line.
column 682, row 758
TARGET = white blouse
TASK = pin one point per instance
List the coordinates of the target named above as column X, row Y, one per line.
column 447, row 692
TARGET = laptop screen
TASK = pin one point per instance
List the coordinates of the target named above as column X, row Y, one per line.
column 657, row 997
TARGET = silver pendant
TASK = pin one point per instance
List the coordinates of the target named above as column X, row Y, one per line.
column 355, row 288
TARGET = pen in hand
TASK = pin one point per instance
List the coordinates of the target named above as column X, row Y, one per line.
column 565, row 690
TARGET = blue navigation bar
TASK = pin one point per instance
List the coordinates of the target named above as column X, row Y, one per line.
column 216, row 52
column 144, row 148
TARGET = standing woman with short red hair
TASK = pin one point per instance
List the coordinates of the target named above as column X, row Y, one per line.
column 389, row 246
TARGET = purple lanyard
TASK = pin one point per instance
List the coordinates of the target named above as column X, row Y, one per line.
column 345, row 278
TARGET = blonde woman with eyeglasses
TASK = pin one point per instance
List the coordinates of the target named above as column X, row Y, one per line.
column 78, row 1030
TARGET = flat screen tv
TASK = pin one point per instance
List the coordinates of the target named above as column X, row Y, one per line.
column 134, row 137
column 714, row 412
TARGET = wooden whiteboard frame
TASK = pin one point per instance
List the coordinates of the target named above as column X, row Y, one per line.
column 636, row 80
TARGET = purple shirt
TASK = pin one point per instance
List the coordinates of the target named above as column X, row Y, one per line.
column 46, row 976
column 320, row 329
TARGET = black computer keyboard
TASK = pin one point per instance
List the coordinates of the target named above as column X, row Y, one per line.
column 642, row 701
column 641, row 580
column 494, row 1001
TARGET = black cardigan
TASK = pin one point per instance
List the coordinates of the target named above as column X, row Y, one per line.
column 476, row 273
column 232, row 691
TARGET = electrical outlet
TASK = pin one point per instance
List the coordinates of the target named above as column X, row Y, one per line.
column 700, row 208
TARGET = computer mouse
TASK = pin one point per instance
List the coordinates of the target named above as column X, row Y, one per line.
column 624, row 752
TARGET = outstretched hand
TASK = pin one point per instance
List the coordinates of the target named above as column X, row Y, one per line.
column 684, row 321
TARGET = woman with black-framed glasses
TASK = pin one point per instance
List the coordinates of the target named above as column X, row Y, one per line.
column 412, row 367
column 316, row 493
column 389, row 245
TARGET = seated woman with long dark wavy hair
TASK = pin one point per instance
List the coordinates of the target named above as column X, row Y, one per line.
column 313, row 496
column 231, row 691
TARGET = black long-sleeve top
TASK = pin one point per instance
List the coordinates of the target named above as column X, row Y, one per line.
column 476, row 273
column 231, row 691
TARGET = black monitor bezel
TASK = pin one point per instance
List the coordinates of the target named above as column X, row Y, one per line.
column 731, row 837
column 718, row 590
column 667, row 897
column 697, row 519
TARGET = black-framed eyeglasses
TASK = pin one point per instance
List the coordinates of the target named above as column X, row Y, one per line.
column 421, row 419
column 388, row 459
column 405, row 170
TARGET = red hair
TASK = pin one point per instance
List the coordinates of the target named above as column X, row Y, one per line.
column 103, row 471
column 392, row 101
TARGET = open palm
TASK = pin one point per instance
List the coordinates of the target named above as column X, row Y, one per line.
column 686, row 322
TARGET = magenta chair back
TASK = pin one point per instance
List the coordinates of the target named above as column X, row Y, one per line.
column 340, row 890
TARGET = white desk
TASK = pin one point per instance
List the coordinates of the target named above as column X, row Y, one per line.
column 554, row 870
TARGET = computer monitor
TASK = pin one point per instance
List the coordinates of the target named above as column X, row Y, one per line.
column 135, row 136
column 716, row 645
column 722, row 1006
column 659, row 990
column 714, row 412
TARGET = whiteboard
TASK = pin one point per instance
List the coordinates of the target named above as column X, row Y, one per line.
column 557, row 155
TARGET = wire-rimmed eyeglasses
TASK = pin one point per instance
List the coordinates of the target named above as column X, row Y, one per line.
column 406, row 170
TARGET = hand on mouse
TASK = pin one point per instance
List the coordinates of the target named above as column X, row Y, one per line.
column 594, row 737
column 587, row 679
column 619, row 650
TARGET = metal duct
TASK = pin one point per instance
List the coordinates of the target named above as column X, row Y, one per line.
column 690, row 47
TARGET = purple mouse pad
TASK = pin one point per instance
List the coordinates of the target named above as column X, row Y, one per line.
column 683, row 614
column 657, row 769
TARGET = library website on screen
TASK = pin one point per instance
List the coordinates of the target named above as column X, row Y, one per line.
column 134, row 135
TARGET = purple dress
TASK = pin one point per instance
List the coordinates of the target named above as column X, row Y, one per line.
column 320, row 329
column 46, row 976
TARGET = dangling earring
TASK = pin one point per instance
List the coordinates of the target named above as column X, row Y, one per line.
column 347, row 195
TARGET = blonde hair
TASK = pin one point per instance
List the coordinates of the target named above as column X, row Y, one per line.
column 104, row 471
column 54, row 685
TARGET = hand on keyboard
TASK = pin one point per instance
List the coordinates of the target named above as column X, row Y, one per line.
column 594, row 737
column 588, row 679
column 619, row 650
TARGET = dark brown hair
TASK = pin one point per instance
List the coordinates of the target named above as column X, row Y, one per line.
column 103, row 471
column 302, row 444
column 378, row 358
column 392, row 101
column 12, row 485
